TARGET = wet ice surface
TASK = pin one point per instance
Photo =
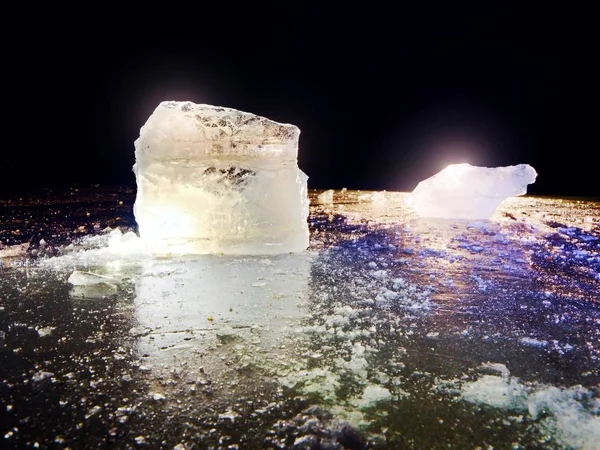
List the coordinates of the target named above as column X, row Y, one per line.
column 391, row 331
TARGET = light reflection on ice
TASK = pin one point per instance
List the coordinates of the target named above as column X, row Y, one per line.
column 199, row 301
column 386, row 298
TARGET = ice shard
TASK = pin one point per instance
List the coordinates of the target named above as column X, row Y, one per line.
column 325, row 198
column 218, row 180
column 463, row 191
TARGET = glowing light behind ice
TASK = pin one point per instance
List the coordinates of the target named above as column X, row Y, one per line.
column 463, row 191
column 219, row 180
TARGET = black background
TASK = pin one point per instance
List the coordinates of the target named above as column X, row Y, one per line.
column 385, row 96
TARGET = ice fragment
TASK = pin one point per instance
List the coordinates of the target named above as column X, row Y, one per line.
column 219, row 180
column 462, row 191
column 325, row 198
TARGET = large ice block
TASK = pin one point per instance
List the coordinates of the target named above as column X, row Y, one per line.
column 463, row 191
column 219, row 180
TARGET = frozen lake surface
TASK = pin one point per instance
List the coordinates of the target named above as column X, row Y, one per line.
column 389, row 332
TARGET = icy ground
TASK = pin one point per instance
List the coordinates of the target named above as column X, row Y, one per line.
column 390, row 331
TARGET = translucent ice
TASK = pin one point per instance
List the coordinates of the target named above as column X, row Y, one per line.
column 92, row 285
column 462, row 191
column 325, row 198
column 219, row 180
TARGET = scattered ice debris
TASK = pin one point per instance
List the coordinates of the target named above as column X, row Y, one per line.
column 561, row 349
column 315, row 381
column 371, row 395
column 93, row 411
column 497, row 368
column 325, row 198
column 375, row 197
column 496, row 391
column 41, row 376
column 532, row 342
column 45, row 331
column 229, row 415
column 112, row 247
column 14, row 251
column 570, row 416
column 379, row 274
column 347, row 306
column 157, row 396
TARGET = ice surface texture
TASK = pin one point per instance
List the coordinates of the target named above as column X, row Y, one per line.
column 219, row 180
column 462, row 191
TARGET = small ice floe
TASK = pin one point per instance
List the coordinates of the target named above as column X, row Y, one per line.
column 92, row 285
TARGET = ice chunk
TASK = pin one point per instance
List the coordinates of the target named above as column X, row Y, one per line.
column 78, row 278
column 567, row 415
column 325, row 198
column 372, row 394
column 91, row 285
column 13, row 251
column 375, row 197
column 499, row 392
column 219, row 180
column 462, row 191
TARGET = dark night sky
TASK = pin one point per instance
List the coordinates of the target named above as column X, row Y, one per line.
column 384, row 96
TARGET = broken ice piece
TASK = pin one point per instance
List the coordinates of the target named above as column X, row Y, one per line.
column 219, row 180
column 45, row 331
column 375, row 197
column 325, row 198
column 78, row 278
column 92, row 285
column 13, row 251
column 462, row 191
column 41, row 375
